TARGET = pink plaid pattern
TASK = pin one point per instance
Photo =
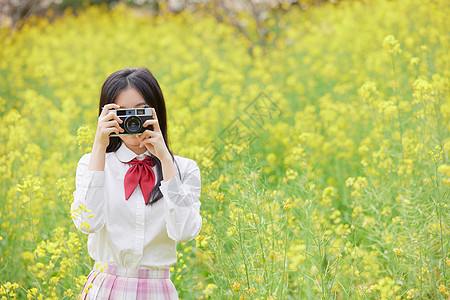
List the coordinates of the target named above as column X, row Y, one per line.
column 113, row 283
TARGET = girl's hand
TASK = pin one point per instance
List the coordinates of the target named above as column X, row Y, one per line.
column 153, row 140
column 108, row 122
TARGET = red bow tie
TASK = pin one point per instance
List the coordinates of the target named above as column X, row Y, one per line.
column 141, row 172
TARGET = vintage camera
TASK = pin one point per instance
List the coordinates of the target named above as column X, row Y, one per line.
column 133, row 120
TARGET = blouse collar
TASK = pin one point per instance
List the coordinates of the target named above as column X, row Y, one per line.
column 125, row 154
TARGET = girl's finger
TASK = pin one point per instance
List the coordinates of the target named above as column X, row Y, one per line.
column 150, row 133
column 111, row 130
column 112, row 123
column 107, row 107
column 149, row 122
column 111, row 116
column 155, row 117
column 147, row 141
column 147, row 133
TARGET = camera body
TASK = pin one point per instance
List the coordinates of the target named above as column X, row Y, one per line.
column 133, row 120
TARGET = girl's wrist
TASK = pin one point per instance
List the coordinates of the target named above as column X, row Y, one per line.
column 97, row 146
column 97, row 160
column 168, row 168
column 166, row 159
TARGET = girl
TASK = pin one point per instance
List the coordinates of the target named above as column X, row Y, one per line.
column 131, row 199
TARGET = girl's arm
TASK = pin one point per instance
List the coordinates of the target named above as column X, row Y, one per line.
column 87, row 207
column 97, row 161
column 88, row 198
column 182, row 204
column 168, row 168
column 181, row 199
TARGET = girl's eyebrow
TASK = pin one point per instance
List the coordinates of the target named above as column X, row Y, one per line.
column 142, row 103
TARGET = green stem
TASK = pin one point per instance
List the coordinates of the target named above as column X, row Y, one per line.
column 438, row 120
column 354, row 260
column 272, row 259
column 261, row 245
column 440, row 221
column 243, row 254
column 285, row 259
column 420, row 269
column 322, row 254
column 32, row 223
column 398, row 102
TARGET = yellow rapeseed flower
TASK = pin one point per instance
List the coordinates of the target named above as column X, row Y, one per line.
column 391, row 45
column 287, row 205
column 443, row 290
column 410, row 294
column 414, row 61
column 397, row 251
column 371, row 288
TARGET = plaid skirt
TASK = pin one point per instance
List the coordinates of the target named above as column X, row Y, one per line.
column 120, row 283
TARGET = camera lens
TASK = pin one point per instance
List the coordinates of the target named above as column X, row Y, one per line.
column 132, row 124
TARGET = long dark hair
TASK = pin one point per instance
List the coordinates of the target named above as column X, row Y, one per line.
column 146, row 84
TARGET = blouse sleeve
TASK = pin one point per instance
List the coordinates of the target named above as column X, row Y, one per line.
column 88, row 198
column 182, row 204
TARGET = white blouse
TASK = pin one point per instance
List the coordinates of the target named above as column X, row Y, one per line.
column 127, row 232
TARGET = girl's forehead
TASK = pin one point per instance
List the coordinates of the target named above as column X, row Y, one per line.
column 130, row 98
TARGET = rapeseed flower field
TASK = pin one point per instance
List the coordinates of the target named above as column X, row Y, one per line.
column 324, row 156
